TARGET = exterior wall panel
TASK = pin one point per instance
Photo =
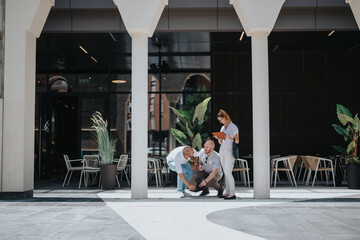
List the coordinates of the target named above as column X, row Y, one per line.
column 228, row 20
column 58, row 21
column 193, row 19
column 96, row 20
column 335, row 18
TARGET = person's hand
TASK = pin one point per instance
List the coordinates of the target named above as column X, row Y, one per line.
column 201, row 168
column 202, row 184
column 228, row 137
column 192, row 187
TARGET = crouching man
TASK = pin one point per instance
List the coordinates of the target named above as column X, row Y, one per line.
column 209, row 172
column 178, row 161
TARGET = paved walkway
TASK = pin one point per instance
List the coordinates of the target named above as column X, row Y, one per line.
column 291, row 213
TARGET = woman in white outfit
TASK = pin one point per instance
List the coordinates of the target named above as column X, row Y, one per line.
column 226, row 152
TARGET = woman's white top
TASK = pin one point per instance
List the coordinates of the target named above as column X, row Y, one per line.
column 232, row 130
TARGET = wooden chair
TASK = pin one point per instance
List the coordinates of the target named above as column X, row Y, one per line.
column 315, row 165
column 241, row 166
column 154, row 168
column 288, row 165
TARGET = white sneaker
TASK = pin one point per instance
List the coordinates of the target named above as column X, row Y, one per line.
column 186, row 194
column 180, row 194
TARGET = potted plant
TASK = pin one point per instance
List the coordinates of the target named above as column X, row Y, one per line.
column 191, row 133
column 351, row 132
column 108, row 169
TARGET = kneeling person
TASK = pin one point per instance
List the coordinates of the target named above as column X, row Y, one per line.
column 178, row 162
column 209, row 172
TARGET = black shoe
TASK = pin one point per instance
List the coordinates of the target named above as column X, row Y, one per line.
column 220, row 193
column 229, row 198
column 196, row 190
column 204, row 193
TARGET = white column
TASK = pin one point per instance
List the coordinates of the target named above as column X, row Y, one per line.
column 140, row 18
column 355, row 8
column 260, row 97
column 19, row 111
column 23, row 24
column 258, row 18
column 139, row 115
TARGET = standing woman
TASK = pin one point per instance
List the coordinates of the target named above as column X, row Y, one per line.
column 226, row 151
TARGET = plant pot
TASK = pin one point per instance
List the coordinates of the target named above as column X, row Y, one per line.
column 108, row 176
column 353, row 176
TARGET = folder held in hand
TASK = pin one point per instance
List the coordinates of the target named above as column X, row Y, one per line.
column 219, row 135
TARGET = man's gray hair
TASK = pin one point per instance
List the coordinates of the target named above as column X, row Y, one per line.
column 211, row 142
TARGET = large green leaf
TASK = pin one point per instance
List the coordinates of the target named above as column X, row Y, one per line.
column 348, row 130
column 189, row 132
column 340, row 109
column 197, row 142
column 179, row 115
column 350, row 147
column 180, row 137
column 344, row 119
column 185, row 114
column 341, row 150
column 357, row 123
column 340, row 130
column 200, row 110
column 181, row 125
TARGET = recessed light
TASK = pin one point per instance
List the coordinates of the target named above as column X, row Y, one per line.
column 118, row 81
column 93, row 59
column 83, row 49
column 242, row 35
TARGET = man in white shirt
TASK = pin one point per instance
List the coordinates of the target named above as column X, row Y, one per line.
column 177, row 161
column 210, row 171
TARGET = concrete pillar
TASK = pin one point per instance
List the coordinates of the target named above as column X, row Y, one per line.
column 139, row 109
column 140, row 18
column 261, row 129
column 355, row 8
column 24, row 21
column 258, row 18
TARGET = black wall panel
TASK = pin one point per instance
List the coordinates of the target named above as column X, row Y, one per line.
column 308, row 76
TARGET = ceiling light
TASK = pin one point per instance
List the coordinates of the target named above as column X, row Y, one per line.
column 242, row 35
column 118, row 81
column 93, row 59
column 83, row 49
column 331, row 33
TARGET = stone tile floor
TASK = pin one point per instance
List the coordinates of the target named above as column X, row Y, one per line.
column 90, row 213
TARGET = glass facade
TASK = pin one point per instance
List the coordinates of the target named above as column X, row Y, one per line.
column 69, row 92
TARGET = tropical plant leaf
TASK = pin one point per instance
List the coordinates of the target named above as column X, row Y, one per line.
column 350, row 147
column 179, row 115
column 344, row 119
column 340, row 130
column 357, row 123
column 348, row 130
column 180, row 137
column 200, row 110
column 181, row 125
column 185, row 114
column 189, row 132
column 340, row 109
column 341, row 150
column 197, row 142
